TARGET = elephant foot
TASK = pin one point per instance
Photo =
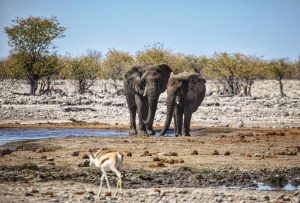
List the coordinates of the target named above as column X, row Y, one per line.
column 187, row 134
column 132, row 132
column 150, row 132
column 142, row 133
column 178, row 135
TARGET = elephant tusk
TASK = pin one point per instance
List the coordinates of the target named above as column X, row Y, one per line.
column 144, row 94
column 177, row 102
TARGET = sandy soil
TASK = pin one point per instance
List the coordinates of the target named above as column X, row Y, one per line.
column 248, row 148
column 224, row 157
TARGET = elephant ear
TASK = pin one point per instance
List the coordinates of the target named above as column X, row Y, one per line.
column 133, row 79
column 165, row 72
column 196, row 89
column 196, row 83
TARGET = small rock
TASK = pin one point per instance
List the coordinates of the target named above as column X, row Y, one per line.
column 76, row 153
column 183, row 191
column 156, row 159
column 50, row 159
column 49, row 193
column 296, row 200
column 259, row 155
column 252, row 198
column 157, row 164
column 286, row 198
column 129, row 154
column 91, row 192
column 195, row 152
column 51, row 163
column 268, row 154
column 79, row 193
column 218, row 199
column 152, row 194
column 34, row 191
column 85, row 163
column 215, row 152
column 85, row 156
column 88, row 196
column 65, row 196
column 240, row 124
column 107, row 194
column 146, row 153
column 227, row 153
column 171, row 161
column 172, row 154
column 43, row 157
column 28, row 194
column 128, row 194
column 266, row 198
column 5, row 152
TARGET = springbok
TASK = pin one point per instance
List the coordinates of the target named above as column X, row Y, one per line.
column 110, row 161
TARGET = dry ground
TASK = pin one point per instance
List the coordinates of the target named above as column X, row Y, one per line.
column 217, row 148
column 246, row 148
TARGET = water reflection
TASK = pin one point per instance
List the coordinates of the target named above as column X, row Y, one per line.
column 15, row 134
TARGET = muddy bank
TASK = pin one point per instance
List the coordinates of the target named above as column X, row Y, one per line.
column 200, row 168
column 136, row 178
column 68, row 191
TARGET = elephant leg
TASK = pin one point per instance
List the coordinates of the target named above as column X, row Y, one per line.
column 149, row 129
column 132, row 114
column 140, row 103
column 179, row 117
column 187, row 122
column 145, row 109
column 175, row 124
column 150, row 116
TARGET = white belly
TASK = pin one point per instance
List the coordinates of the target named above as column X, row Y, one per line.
column 105, row 166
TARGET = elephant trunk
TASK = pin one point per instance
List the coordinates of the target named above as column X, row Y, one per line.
column 170, row 111
column 152, row 100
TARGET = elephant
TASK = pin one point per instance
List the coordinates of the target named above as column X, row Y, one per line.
column 186, row 92
column 143, row 85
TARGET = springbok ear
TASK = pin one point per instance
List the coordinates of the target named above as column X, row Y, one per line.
column 133, row 79
column 90, row 154
column 165, row 71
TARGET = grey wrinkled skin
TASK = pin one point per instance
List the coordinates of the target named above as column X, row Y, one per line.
column 186, row 92
column 143, row 85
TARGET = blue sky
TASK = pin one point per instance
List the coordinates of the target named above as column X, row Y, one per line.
column 269, row 28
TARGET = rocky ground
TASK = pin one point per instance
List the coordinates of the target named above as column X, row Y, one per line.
column 225, row 159
column 67, row 191
column 201, row 168
column 105, row 103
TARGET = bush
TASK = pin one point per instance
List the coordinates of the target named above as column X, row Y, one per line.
column 115, row 65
